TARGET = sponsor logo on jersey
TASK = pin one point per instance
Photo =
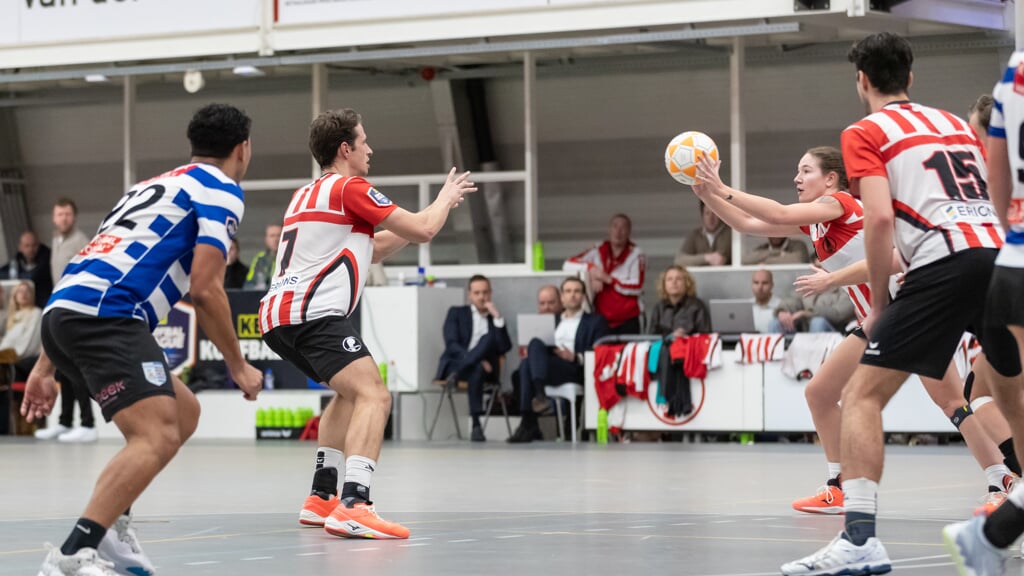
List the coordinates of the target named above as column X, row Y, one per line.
column 960, row 212
column 1018, row 79
column 232, row 225
column 109, row 393
column 378, row 198
column 154, row 373
column 248, row 325
column 279, row 283
column 351, row 344
column 1015, row 215
column 101, row 244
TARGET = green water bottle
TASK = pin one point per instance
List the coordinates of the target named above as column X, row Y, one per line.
column 538, row 257
column 602, row 426
column 261, row 418
column 383, row 367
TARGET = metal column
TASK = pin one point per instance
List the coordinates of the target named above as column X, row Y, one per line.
column 128, row 125
column 737, row 135
column 318, row 102
column 530, row 161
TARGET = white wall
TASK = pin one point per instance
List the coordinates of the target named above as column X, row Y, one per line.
column 601, row 139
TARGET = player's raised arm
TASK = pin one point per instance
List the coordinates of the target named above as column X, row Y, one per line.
column 422, row 226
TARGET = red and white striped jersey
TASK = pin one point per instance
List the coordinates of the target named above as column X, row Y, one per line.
column 325, row 251
column 839, row 243
column 935, row 165
column 756, row 348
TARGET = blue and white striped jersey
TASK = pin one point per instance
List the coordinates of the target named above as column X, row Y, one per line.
column 1006, row 122
column 139, row 263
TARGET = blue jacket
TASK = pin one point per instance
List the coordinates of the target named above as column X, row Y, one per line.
column 458, row 330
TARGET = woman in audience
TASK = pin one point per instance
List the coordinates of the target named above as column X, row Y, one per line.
column 678, row 312
column 834, row 220
column 23, row 324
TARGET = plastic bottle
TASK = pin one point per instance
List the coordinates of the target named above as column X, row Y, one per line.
column 268, row 379
column 391, row 376
column 421, row 276
column 602, row 426
column 12, row 269
column 538, row 257
column 382, row 367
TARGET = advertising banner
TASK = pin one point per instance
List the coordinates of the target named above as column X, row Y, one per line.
column 313, row 11
column 65, row 21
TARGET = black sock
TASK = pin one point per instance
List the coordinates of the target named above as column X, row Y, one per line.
column 1009, row 456
column 1004, row 525
column 325, row 482
column 837, row 482
column 85, row 534
column 127, row 511
column 859, row 527
column 355, row 491
column 476, row 420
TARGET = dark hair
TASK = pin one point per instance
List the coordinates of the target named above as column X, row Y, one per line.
column 830, row 159
column 477, row 278
column 886, row 59
column 216, row 129
column 329, row 130
column 983, row 106
column 64, row 201
column 569, row 279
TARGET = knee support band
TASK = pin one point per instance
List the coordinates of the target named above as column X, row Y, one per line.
column 960, row 414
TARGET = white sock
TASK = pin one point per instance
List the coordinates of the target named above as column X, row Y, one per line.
column 328, row 458
column 860, row 495
column 995, row 473
column 359, row 469
column 833, row 470
column 979, row 402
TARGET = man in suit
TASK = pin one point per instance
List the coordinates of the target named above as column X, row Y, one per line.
column 475, row 338
column 575, row 333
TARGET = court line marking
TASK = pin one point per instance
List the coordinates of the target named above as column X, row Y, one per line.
column 463, row 540
column 509, row 536
column 202, row 563
column 251, row 558
column 312, row 554
column 414, row 545
column 365, row 549
column 201, row 532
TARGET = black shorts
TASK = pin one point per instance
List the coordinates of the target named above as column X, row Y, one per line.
column 919, row 331
column 319, row 348
column 1004, row 308
column 116, row 359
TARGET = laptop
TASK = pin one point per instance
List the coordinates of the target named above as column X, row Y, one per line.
column 732, row 316
column 530, row 326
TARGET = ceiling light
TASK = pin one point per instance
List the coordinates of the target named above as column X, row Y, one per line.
column 247, row 71
column 96, row 78
column 193, row 81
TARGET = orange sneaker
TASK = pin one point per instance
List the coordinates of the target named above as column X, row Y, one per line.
column 359, row 520
column 995, row 499
column 828, row 500
column 315, row 509
column 992, row 501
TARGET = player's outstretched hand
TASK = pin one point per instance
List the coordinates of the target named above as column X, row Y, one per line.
column 456, row 186
column 817, row 282
column 249, row 380
column 40, row 394
column 708, row 180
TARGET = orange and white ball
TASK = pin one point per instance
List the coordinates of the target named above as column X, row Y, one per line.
column 683, row 152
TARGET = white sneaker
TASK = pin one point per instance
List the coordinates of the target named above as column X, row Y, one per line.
column 972, row 553
column 85, row 562
column 842, row 557
column 51, row 432
column 120, row 545
column 78, row 434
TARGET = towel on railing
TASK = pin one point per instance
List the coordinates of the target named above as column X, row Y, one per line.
column 807, row 352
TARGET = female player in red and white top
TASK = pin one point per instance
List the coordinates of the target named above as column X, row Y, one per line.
column 834, row 220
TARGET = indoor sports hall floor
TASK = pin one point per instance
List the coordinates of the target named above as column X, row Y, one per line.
column 545, row 508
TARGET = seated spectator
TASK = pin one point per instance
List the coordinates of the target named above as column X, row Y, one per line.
column 235, row 272
column 678, row 312
column 23, row 328
column 616, row 269
column 709, row 245
column 264, row 264
column 475, row 339
column 779, row 251
column 549, row 300
column 830, row 310
column 575, row 333
column 32, row 262
column 762, row 283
